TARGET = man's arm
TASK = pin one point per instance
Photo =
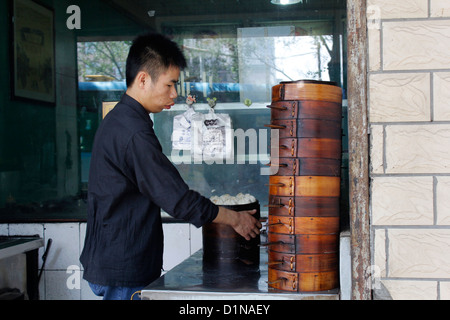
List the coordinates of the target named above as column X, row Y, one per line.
column 242, row 222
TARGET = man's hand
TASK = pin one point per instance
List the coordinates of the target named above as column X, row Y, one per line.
column 242, row 222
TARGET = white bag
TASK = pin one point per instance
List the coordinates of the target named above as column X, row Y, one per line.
column 181, row 134
column 212, row 138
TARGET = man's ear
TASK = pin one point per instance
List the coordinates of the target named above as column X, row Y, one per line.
column 142, row 78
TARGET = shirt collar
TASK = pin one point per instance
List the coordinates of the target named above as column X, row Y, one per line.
column 136, row 106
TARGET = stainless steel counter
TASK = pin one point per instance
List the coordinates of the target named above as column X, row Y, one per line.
column 19, row 265
column 11, row 246
column 191, row 281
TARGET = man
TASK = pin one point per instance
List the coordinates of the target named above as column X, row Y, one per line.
column 130, row 180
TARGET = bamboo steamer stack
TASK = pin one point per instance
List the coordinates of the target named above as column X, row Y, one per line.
column 303, row 224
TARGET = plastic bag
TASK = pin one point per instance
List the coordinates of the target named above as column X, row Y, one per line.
column 212, row 138
column 181, row 134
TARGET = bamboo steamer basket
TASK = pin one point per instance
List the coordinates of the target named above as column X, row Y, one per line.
column 308, row 167
column 303, row 225
column 310, row 148
column 302, row 281
column 303, row 206
column 225, row 250
column 307, row 90
column 303, row 262
column 306, row 186
column 306, row 110
column 303, row 222
column 307, row 128
column 302, row 243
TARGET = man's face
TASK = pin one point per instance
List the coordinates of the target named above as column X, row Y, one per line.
column 161, row 94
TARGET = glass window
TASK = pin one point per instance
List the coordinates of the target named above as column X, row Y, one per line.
column 236, row 52
column 101, row 78
column 238, row 63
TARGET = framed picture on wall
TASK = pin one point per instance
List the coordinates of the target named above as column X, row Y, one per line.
column 33, row 51
column 107, row 106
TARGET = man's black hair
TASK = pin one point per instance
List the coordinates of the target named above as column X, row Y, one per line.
column 153, row 53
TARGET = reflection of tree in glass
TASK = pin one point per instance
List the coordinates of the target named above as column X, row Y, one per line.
column 213, row 56
column 106, row 58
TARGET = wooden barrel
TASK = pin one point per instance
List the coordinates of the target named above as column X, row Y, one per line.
column 303, row 223
column 225, row 250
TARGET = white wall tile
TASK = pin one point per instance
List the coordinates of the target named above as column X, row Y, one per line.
column 376, row 149
column 82, row 238
column 417, row 148
column 402, row 201
column 444, row 290
column 65, row 248
column 399, row 97
column 416, row 45
column 389, row 9
column 26, row 229
column 374, row 57
column 56, row 287
column 176, row 244
column 419, row 253
column 443, row 200
column 441, row 92
column 380, row 251
column 196, row 238
column 411, row 290
column 440, row 8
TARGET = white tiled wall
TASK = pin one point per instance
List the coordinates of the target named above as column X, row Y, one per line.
column 62, row 277
column 409, row 113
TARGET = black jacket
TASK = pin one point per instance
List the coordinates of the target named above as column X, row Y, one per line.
column 130, row 179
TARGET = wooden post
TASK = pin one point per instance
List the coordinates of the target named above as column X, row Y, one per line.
column 358, row 149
